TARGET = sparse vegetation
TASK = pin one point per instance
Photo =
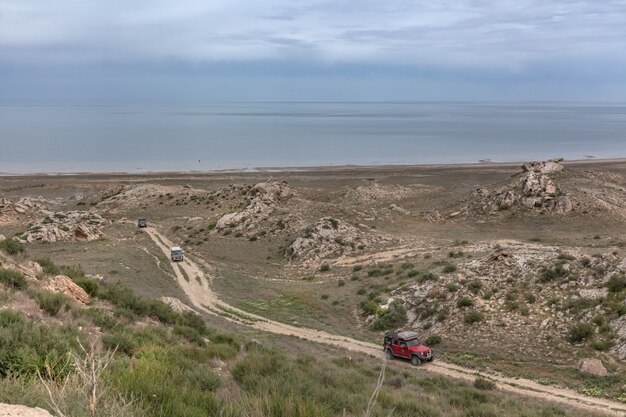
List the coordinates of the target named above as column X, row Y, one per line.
column 12, row 279
column 580, row 332
column 12, row 247
column 473, row 317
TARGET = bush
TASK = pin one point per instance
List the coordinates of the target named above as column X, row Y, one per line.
column 464, row 302
column 369, row 307
column 616, row 283
column 50, row 302
column 484, row 384
column 475, row 286
column 48, row 266
column 449, row 268
column 11, row 247
column 12, row 279
column 357, row 268
column 580, row 332
column 341, row 283
column 473, row 317
column 433, row 340
column 391, row 318
column 324, row 268
column 551, row 274
column 26, row 347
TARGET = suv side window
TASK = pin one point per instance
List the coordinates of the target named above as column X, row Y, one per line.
column 395, row 343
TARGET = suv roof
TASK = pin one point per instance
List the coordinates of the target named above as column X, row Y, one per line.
column 175, row 248
column 402, row 335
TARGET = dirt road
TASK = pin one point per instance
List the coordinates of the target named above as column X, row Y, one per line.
column 196, row 285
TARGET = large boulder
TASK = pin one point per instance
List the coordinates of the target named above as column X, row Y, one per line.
column 590, row 366
column 65, row 285
column 12, row 410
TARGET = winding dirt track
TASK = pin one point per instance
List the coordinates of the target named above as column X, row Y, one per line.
column 195, row 283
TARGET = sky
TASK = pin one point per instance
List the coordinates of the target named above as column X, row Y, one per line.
column 214, row 50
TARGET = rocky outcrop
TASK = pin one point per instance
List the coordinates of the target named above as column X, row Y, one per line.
column 329, row 238
column 12, row 410
column 592, row 367
column 544, row 167
column 65, row 226
column 262, row 201
column 65, row 285
column 533, row 189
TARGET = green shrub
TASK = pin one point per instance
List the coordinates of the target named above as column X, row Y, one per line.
column 530, row 298
column 475, row 286
column 449, row 268
column 551, row 274
column 391, row 318
column 50, row 302
column 473, row 316
column 433, row 340
column 357, row 268
column 48, row 266
column 484, row 384
column 324, row 268
column 452, row 287
column 369, row 307
column 12, row 247
column 616, row 283
column 12, row 279
column 168, row 381
column 464, row 302
column 26, row 347
column 341, row 283
column 580, row 332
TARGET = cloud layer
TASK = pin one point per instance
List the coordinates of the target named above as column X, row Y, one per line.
column 583, row 37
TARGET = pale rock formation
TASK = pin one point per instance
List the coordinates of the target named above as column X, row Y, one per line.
column 65, row 285
column 591, row 366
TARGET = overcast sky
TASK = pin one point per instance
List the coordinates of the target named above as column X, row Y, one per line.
column 313, row 50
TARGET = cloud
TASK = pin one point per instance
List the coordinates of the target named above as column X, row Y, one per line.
column 505, row 34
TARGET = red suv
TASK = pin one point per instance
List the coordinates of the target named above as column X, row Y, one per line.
column 407, row 345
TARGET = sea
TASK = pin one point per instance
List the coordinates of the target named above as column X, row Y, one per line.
column 141, row 137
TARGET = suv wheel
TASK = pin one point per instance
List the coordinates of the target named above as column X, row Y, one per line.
column 415, row 360
column 388, row 354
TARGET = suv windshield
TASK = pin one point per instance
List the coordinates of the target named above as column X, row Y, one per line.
column 176, row 252
column 412, row 342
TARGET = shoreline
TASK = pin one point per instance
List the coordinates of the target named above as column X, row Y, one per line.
column 310, row 169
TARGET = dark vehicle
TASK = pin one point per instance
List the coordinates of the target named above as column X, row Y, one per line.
column 142, row 222
column 406, row 345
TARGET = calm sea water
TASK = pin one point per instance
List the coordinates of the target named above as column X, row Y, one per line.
column 140, row 137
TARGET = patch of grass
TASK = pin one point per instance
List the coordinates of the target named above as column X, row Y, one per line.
column 13, row 279
column 12, row 247
column 465, row 302
column 26, row 347
column 433, row 340
column 484, row 384
column 473, row 317
column 324, row 268
column 580, row 332
column 49, row 267
column 341, row 283
column 449, row 268
column 616, row 283
column 50, row 302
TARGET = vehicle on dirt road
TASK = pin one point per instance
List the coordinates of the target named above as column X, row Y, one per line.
column 176, row 254
column 406, row 345
column 142, row 222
